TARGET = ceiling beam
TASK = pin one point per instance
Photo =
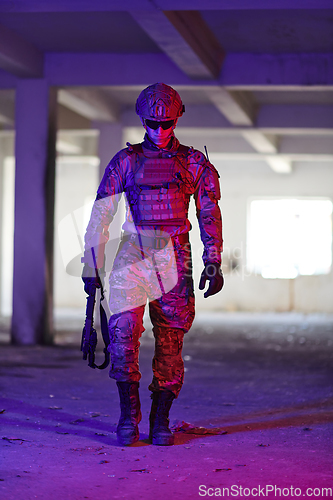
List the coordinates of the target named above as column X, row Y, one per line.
column 64, row 69
column 272, row 120
column 7, row 80
column 258, row 156
column 237, row 109
column 279, row 164
column 234, row 143
column 18, row 56
column 194, row 30
column 300, row 116
column 280, row 88
column 115, row 5
column 232, row 131
column 5, row 120
column 89, row 103
column 263, row 143
column 290, row 69
column 239, row 70
column 186, row 39
column 7, row 107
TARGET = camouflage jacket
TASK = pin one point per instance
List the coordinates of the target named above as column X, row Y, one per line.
column 202, row 183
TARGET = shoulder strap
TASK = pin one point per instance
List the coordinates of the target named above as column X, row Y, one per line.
column 137, row 148
column 183, row 149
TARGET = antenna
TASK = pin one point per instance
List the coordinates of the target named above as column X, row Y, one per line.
column 206, row 152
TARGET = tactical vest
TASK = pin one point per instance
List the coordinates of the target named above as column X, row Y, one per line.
column 158, row 195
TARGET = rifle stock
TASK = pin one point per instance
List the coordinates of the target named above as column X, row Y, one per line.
column 89, row 336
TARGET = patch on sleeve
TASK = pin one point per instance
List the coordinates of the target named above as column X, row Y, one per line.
column 211, row 180
column 196, row 156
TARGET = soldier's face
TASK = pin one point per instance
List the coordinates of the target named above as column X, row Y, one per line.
column 158, row 133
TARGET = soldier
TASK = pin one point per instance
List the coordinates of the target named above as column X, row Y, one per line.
column 158, row 177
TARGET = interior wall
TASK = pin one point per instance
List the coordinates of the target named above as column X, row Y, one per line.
column 76, row 185
column 240, row 183
column 7, row 187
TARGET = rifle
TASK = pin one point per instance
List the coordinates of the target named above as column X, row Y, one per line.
column 89, row 334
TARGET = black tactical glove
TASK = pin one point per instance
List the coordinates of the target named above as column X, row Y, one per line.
column 89, row 279
column 212, row 273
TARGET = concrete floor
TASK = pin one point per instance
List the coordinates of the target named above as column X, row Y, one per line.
column 265, row 379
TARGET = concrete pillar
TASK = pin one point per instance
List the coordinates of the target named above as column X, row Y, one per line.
column 110, row 142
column 32, row 320
column 2, row 157
column 7, row 180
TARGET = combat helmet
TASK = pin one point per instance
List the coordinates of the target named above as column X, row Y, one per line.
column 159, row 102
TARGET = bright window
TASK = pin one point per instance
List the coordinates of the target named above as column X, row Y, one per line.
column 289, row 237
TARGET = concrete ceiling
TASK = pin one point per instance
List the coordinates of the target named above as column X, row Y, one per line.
column 256, row 79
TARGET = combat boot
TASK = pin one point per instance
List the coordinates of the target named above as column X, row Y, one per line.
column 159, row 432
column 127, row 429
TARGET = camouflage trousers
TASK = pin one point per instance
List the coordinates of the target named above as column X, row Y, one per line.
column 164, row 278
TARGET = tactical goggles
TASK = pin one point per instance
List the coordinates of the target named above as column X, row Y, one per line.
column 155, row 124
